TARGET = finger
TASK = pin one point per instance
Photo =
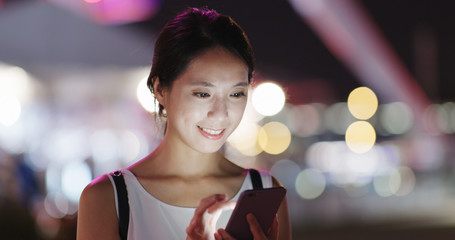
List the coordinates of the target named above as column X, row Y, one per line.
column 193, row 235
column 225, row 235
column 217, row 236
column 255, row 228
column 207, row 202
column 214, row 211
column 221, row 206
column 194, row 230
column 201, row 219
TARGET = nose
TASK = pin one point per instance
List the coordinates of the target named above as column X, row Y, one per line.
column 218, row 109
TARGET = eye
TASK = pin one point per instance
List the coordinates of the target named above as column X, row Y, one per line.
column 201, row 94
column 238, row 94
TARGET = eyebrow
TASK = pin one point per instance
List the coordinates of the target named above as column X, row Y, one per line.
column 209, row 84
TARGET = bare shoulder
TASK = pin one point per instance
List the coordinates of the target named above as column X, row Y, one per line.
column 97, row 216
column 284, row 222
column 98, row 194
column 100, row 187
column 276, row 183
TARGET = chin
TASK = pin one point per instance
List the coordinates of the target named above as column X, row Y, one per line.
column 209, row 149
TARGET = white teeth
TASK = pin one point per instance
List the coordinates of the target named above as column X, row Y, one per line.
column 211, row 132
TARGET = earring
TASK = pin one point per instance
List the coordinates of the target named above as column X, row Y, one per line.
column 164, row 112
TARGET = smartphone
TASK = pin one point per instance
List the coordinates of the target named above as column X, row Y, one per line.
column 262, row 203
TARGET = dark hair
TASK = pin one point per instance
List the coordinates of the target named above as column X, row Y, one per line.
column 188, row 35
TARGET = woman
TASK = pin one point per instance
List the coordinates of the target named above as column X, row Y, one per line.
column 201, row 71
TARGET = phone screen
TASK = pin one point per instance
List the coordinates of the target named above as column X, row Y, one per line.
column 262, row 203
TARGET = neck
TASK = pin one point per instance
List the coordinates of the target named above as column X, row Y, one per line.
column 171, row 158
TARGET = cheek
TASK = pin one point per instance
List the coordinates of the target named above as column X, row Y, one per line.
column 237, row 111
column 182, row 105
column 189, row 114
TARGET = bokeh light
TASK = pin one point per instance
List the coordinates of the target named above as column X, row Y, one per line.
column 15, row 90
column 121, row 12
column 407, row 181
column 338, row 118
column 396, row 118
column 346, row 169
column 10, row 110
column 131, row 145
column 342, row 165
column 53, row 178
column 13, row 138
column 360, row 137
column 56, row 205
column 451, row 110
column 305, row 120
column 245, row 138
column 445, row 119
column 387, row 184
column 286, row 171
column 362, row 103
column 274, row 137
column 105, row 147
column 268, row 98
column 75, row 176
column 15, row 81
column 432, row 121
column 64, row 145
column 310, row 183
column 145, row 97
column 395, row 181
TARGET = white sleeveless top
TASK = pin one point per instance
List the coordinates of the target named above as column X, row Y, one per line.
column 151, row 218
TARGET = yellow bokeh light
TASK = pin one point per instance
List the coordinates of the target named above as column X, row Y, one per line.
column 360, row 137
column 245, row 138
column 274, row 138
column 362, row 103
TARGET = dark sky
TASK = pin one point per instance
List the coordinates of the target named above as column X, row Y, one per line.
column 288, row 49
column 402, row 21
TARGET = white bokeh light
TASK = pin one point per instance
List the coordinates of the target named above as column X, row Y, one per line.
column 15, row 81
column 396, row 118
column 310, row 183
column 268, row 98
column 145, row 97
column 286, row 171
column 105, row 146
column 75, row 176
column 10, row 110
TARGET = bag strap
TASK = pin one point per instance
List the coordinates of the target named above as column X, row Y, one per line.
column 255, row 178
column 123, row 206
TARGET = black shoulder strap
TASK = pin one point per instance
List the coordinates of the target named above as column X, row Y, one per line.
column 255, row 178
column 123, row 206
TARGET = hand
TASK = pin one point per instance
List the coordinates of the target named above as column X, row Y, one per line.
column 203, row 223
column 255, row 229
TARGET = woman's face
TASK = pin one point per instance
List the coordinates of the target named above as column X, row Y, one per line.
column 206, row 102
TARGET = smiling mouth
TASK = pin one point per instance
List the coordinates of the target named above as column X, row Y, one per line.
column 211, row 131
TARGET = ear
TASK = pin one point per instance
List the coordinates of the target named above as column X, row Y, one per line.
column 160, row 92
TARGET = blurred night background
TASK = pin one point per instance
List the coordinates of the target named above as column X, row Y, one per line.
column 352, row 109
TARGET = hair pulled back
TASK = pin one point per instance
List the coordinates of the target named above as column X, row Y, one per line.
column 189, row 34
